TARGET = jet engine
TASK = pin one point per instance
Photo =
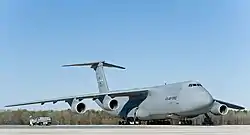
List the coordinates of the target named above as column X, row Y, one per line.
column 219, row 109
column 110, row 104
column 78, row 107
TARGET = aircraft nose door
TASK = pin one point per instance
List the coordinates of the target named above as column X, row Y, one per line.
column 194, row 98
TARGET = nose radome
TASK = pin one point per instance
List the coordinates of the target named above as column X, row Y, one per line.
column 195, row 98
column 204, row 98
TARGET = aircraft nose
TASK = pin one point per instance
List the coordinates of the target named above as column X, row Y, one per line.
column 203, row 98
column 195, row 98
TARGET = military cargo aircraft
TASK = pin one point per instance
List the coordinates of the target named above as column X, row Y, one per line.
column 181, row 100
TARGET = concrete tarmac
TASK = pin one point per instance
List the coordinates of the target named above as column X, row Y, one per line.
column 126, row 130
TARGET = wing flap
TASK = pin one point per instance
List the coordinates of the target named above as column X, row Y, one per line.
column 230, row 105
column 121, row 93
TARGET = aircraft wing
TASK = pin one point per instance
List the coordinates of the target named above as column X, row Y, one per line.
column 119, row 93
column 230, row 105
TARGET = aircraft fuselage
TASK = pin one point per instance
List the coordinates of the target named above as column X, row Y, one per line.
column 165, row 101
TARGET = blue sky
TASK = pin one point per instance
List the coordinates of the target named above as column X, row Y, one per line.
column 156, row 41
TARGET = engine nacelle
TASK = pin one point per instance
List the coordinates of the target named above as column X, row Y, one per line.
column 219, row 109
column 78, row 107
column 110, row 104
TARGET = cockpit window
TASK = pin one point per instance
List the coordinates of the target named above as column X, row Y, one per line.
column 193, row 85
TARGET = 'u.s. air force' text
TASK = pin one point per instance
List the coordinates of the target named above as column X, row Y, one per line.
column 171, row 98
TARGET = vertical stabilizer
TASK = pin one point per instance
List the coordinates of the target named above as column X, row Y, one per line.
column 101, row 79
column 100, row 75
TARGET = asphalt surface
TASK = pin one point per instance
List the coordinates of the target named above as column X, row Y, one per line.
column 125, row 130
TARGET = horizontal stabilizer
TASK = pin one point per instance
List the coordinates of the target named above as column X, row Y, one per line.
column 95, row 64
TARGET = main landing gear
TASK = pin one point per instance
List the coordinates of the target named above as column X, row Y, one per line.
column 130, row 121
column 185, row 122
column 123, row 122
column 159, row 122
column 207, row 120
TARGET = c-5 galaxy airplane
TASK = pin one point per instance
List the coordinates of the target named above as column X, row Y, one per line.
column 155, row 105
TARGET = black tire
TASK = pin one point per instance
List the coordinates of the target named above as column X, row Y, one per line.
column 211, row 123
column 167, row 123
column 208, row 123
column 190, row 122
column 127, row 123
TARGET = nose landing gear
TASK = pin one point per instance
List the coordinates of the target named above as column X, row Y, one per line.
column 207, row 120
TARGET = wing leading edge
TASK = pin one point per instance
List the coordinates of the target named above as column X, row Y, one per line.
column 121, row 93
column 233, row 106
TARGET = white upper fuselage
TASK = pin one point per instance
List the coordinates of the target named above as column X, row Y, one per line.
column 181, row 99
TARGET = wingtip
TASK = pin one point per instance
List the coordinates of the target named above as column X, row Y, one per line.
column 64, row 65
column 70, row 65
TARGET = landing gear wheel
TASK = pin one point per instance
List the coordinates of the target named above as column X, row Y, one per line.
column 186, row 122
column 189, row 122
column 207, row 120
column 130, row 121
column 123, row 122
column 151, row 123
column 159, row 122
column 167, row 122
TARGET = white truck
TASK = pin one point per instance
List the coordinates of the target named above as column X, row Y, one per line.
column 40, row 121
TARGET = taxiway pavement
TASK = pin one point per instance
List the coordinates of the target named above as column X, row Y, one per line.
column 125, row 130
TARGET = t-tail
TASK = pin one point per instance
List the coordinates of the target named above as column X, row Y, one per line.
column 100, row 75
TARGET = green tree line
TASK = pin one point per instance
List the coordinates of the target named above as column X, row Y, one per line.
column 96, row 117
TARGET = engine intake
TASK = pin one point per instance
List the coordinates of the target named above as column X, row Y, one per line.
column 219, row 109
column 78, row 107
column 111, row 104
